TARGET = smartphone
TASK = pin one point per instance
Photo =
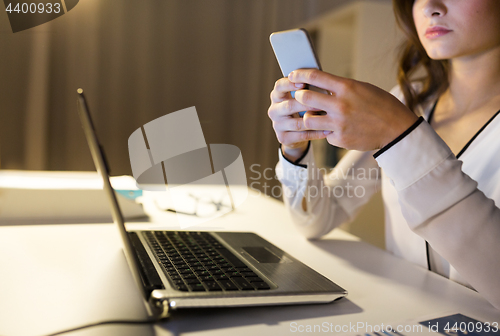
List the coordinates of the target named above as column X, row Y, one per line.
column 294, row 50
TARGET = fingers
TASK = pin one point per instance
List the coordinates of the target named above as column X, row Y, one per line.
column 282, row 89
column 298, row 124
column 284, row 109
column 290, row 124
column 317, row 101
column 320, row 79
column 287, row 108
column 292, row 138
column 321, row 122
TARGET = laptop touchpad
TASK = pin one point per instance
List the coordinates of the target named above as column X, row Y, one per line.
column 262, row 255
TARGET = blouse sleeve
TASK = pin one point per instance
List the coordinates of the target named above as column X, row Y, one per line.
column 443, row 205
column 332, row 198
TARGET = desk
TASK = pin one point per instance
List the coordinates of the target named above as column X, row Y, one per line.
column 55, row 277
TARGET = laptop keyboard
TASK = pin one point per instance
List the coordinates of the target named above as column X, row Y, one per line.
column 197, row 262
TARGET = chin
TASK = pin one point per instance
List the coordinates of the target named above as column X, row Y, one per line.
column 447, row 52
column 439, row 54
column 439, row 50
column 439, row 58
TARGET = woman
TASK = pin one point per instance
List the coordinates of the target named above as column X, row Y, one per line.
column 437, row 143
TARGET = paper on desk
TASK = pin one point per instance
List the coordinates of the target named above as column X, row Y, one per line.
column 60, row 196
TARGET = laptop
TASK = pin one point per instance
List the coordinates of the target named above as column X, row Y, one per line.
column 194, row 269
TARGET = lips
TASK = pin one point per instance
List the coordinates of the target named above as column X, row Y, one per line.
column 436, row 31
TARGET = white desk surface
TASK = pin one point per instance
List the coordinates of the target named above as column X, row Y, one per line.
column 55, row 277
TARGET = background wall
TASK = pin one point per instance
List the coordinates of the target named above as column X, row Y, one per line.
column 139, row 60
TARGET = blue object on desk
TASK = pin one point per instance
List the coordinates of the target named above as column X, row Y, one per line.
column 130, row 194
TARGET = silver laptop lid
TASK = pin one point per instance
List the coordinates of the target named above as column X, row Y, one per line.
column 102, row 169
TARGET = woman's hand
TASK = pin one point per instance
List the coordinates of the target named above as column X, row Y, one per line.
column 361, row 116
column 288, row 125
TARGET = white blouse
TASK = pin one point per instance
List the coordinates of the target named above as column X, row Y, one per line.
column 428, row 195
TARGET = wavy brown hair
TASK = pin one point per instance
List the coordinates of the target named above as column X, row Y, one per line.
column 412, row 57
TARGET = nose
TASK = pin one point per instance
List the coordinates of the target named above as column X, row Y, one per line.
column 432, row 8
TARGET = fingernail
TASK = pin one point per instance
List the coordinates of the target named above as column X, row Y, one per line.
column 290, row 74
column 327, row 132
column 299, row 85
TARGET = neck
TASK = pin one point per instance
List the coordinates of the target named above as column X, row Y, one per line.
column 474, row 81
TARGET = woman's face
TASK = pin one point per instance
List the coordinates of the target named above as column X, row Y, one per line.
column 455, row 28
